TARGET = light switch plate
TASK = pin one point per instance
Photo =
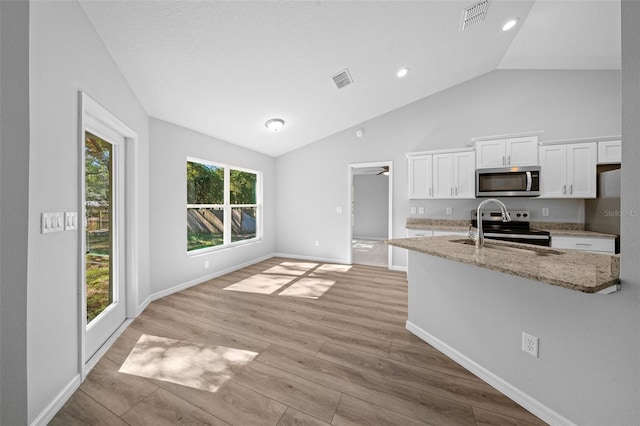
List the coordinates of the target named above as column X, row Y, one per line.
column 420, row 210
column 413, row 210
column 70, row 221
column 52, row 222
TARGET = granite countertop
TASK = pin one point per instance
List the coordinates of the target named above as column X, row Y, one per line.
column 555, row 228
column 575, row 270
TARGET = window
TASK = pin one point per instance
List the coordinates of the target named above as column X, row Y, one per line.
column 223, row 205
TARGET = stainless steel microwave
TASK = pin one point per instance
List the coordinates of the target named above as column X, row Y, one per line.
column 508, row 182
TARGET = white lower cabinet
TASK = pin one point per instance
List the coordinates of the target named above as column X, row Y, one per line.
column 596, row 244
column 419, row 233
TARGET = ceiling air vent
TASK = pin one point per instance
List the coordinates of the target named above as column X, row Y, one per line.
column 474, row 14
column 342, row 79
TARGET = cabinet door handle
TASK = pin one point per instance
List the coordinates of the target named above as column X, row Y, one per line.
column 456, row 191
column 584, row 244
column 564, row 189
column 571, row 189
column 508, row 160
column 430, row 192
column 451, row 191
column 503, row 162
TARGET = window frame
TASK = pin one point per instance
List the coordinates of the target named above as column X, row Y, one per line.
column 227, row 207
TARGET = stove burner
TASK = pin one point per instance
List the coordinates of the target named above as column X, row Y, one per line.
column 517, row 230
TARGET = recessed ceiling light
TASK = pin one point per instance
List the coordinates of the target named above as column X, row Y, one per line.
column 402, row 72
column 275, row 124
column 510, row 24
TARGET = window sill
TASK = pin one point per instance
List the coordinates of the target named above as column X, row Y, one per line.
column 208, row 250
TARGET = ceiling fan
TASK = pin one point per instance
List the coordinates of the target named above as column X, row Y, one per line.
column 384, row 171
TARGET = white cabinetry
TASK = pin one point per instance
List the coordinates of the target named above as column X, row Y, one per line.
column 411, row 232
column 507, row 152
column 454, row 175
column 596, row 244
column 609, row 152
column 442, row 174
column 420, row 176
column 568, row 170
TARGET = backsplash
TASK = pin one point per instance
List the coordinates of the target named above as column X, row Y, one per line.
column 566, row 211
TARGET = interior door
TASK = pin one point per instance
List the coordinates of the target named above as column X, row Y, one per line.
column 104, row 249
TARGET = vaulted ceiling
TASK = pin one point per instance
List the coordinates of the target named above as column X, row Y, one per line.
column 225, row 67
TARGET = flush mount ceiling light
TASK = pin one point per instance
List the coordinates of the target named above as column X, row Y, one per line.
column 402, row 72
column 510, row 24
column 275, row 124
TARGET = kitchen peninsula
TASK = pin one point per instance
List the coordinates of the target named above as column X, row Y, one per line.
column 475, row 306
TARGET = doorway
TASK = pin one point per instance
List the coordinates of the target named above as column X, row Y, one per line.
column 108, row 249
column 370, row 219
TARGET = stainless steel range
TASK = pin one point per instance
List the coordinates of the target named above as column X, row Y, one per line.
column 518, row 230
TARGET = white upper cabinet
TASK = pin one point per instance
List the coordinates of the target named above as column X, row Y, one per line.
column 454, row 175
column 420, row 176
column 442, row 174
column 568, row 171
column 609, row 152
column 511, row 152
column 464, row 174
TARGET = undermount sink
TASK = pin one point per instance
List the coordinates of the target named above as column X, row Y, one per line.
column 513, row 248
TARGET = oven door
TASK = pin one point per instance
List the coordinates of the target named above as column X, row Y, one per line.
column 508, row 182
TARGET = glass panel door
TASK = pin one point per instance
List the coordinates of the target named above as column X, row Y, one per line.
column 99, row 275
column 104, row 249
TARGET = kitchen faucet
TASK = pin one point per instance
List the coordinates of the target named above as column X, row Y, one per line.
column 478, row 236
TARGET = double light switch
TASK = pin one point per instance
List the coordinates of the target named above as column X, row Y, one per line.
column 59, row 221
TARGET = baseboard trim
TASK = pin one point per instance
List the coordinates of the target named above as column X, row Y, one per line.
column 56, row 404
column 143, row 306
column 531, row 404
column 200, row 280
column 398, row 268
column 311, row 258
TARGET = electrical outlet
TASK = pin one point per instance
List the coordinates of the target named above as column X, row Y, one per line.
column 449, row 210
column 413, row 210
column 338, row 209
column 545, row 211
column 530, row 344
column 206, row 264
column 317, row 243
column 420, row 210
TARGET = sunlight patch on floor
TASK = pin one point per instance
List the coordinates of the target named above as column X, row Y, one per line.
column 261, row 283
column 310, row 288
column 189, row 364
column 299, row 279
column 291, row 268
column 327, row 267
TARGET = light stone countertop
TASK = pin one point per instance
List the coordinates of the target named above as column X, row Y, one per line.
column 575, row 270
column 554, row 228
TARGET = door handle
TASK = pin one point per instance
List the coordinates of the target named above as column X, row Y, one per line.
column 529, row 181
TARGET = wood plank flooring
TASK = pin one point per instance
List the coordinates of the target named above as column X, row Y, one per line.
column 344, row 358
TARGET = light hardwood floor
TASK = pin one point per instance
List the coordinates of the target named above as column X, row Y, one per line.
column 208, row 355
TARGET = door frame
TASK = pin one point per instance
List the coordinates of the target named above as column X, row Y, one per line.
column 91, row 111
column 351, row 168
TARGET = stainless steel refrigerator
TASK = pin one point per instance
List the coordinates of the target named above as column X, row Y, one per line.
column 602, row 214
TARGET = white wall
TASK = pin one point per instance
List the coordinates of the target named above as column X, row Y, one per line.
column 171, row 266
column 370, row 206
column 564, row 104
column 67, row 56
column 588, row 348
column 14, row 196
